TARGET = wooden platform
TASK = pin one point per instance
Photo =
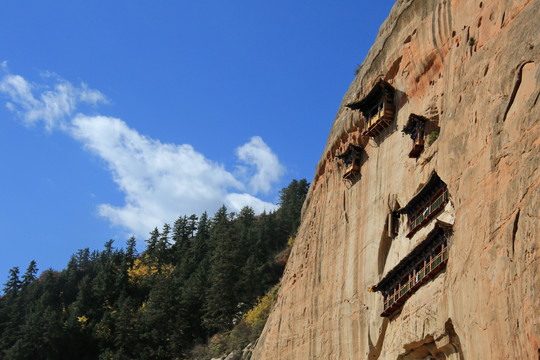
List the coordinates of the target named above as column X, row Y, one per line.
column 442, row 199
column 429, row 271
column 351, row 172
column 376, row 125
column 418, row 146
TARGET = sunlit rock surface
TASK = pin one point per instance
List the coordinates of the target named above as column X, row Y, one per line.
column 472, row 69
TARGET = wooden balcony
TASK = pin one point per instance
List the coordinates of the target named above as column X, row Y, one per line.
column 352, row 171
column 418, row 146
column 351, row 158
column 401, row 293
column 377, row 107
column 379, row 121
column 431, row 208
column 415, row 129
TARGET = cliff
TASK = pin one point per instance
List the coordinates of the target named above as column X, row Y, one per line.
column 470, row 71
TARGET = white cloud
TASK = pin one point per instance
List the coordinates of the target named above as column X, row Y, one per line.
column 159, row 181
column 236, row 202
column 268, row 167
column 91, row 96
column 52, row 106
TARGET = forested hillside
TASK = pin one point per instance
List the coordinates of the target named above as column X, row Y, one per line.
column 196, row 278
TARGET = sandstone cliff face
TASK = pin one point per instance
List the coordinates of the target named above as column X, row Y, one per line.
column 472, row 69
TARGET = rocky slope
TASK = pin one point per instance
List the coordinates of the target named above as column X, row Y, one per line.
column 471, row 68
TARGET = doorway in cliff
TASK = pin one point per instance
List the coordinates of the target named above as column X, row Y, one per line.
column 445, row 346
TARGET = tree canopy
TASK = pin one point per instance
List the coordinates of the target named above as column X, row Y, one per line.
column 194, row 279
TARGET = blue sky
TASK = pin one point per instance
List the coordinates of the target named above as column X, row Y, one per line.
column 118, row 116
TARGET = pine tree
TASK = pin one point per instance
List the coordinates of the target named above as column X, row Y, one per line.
column 108, row 249
column 291, row 200
column 221, row 298
column 131, row 252
column 152, row 242
column 164, row 242
column 162, row 252
column 83, row 260
column 12, row 287
column 30, row 274
column 192, row 225
column 248, row 275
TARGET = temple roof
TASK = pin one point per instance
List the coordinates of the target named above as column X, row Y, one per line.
column 375, row 93
column 351, row 148
column 432, row 182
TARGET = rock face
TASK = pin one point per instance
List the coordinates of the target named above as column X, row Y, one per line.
column 471, row 69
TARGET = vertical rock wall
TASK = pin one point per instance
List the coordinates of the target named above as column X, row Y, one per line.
column 472, row 69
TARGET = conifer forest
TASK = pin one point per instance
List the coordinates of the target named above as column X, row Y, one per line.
column 202, row 286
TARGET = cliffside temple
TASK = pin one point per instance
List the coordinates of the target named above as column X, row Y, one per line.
column 429, row 249
column 352, row 161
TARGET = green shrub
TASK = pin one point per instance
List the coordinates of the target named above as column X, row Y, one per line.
column 434, row 135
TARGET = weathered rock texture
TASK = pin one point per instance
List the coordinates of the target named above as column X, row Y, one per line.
column 471, row 68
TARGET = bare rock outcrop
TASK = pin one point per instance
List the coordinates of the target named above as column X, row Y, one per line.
column 471, row 70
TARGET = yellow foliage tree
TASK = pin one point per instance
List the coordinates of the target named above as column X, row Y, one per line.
column 259, row 313
column 144, row 269
column 290, row 242
column 82, row 320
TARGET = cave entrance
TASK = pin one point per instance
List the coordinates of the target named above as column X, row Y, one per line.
column 430, row 351
column 446, row 346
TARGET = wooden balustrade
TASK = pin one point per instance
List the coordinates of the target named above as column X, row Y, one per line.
column 351, row 171
column 416, row 278
column 431, row 208
column 378, row 108
column 378, row 121
column 375, row 118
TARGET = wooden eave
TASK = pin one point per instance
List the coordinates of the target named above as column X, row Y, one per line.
column 351, row 148
column 424, row 192
column 413, row 121
column 374, row 95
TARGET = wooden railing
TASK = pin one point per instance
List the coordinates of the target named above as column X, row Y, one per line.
column 378, row 116
column 352, row 167
column 431, row 208
column 351, row 170
column 403, row 292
